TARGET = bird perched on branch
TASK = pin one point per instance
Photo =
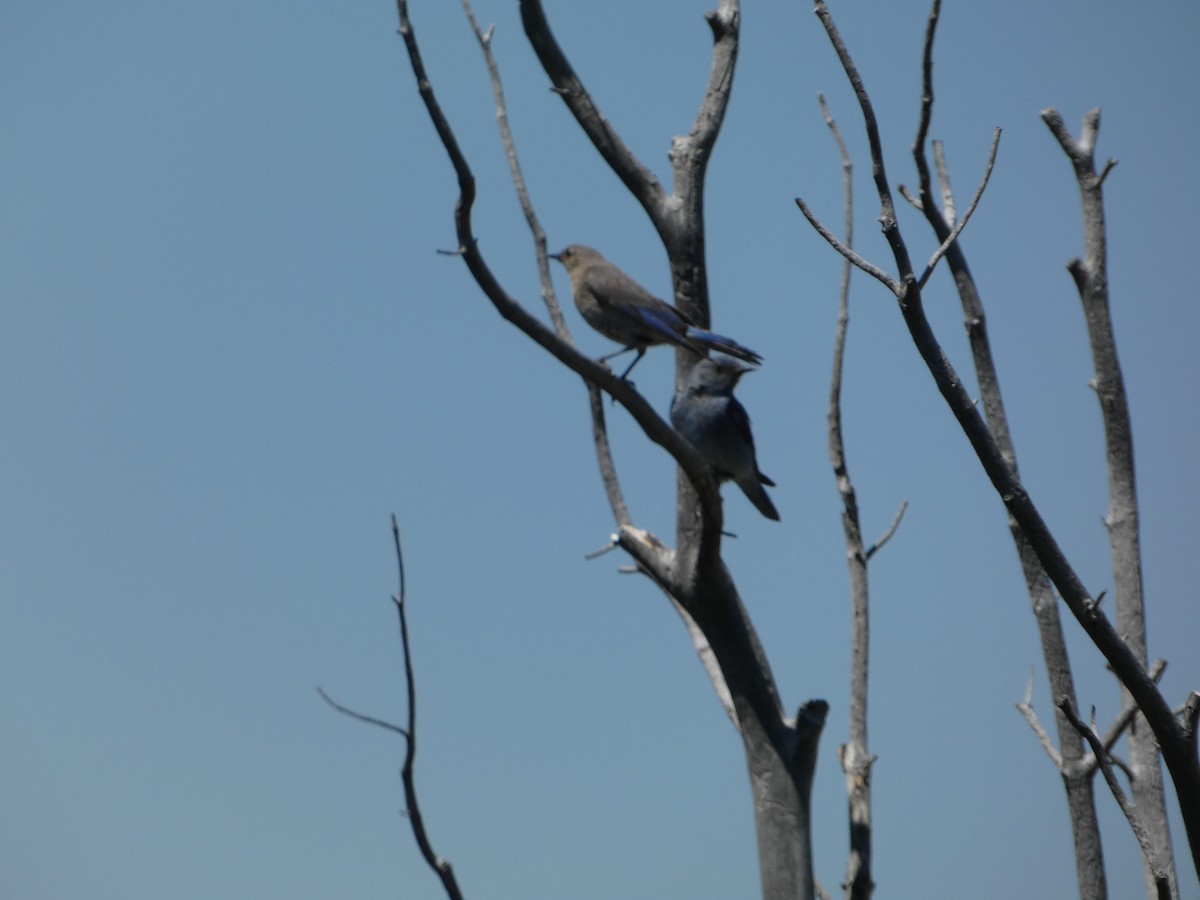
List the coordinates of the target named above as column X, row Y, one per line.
column 621, row 309
column 706, row 413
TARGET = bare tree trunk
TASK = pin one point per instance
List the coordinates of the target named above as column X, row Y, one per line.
column 1091, row 279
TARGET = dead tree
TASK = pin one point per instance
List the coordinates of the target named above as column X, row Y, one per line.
column 780, row 750
column 1124, row 645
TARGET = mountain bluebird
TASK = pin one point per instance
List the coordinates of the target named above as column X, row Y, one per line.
column 706, row 413
column 621, row 309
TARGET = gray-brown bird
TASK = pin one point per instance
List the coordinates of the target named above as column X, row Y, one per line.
column 621, row 309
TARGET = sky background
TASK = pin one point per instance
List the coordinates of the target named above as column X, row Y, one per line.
column 229, row 351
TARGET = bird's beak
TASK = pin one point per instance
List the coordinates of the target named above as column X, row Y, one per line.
column 557, row 256
column 736, row 365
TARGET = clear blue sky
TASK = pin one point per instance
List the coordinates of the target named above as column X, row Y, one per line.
column 229, row 351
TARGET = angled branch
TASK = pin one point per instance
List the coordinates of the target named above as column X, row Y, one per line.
column 1025, row 707
column 870, row 268
column 890, row 532
column 640, row 181
column 361, row 717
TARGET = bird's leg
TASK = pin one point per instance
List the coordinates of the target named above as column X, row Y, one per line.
column 641, row 351
column 606, row 357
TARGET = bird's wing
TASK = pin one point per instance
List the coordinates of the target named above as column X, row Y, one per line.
column 622, row 296
column 740, row 420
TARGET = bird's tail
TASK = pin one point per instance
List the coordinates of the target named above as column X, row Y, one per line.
column 754, row 490
column 722, row 344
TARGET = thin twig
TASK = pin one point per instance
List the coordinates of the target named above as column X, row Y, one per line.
column 891, row 530
column 369, row 720
column 1025, row 707
column 870, row 268
column 1125, row 716
column 953, row 236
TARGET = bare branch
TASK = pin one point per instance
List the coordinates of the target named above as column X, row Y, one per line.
column 1103, row 758
column 608, row 471
column 913, row 201
column 518, row 178
column 368, row 720
column 854, row 755
column 1125, row 716
column 870, row 268
column 926, row 89
column 891, row 530
column 441, row 867
column 953, row 236
column 690, row 155
column 1026, row 709
column 1124, row 532
column 640, row 181
column 1189, row 714
column 887, row 217
column 943, row 175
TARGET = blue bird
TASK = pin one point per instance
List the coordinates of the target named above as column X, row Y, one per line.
column 705, row 412
column 621, row 309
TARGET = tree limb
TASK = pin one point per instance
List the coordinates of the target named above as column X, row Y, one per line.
column 441, row 867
